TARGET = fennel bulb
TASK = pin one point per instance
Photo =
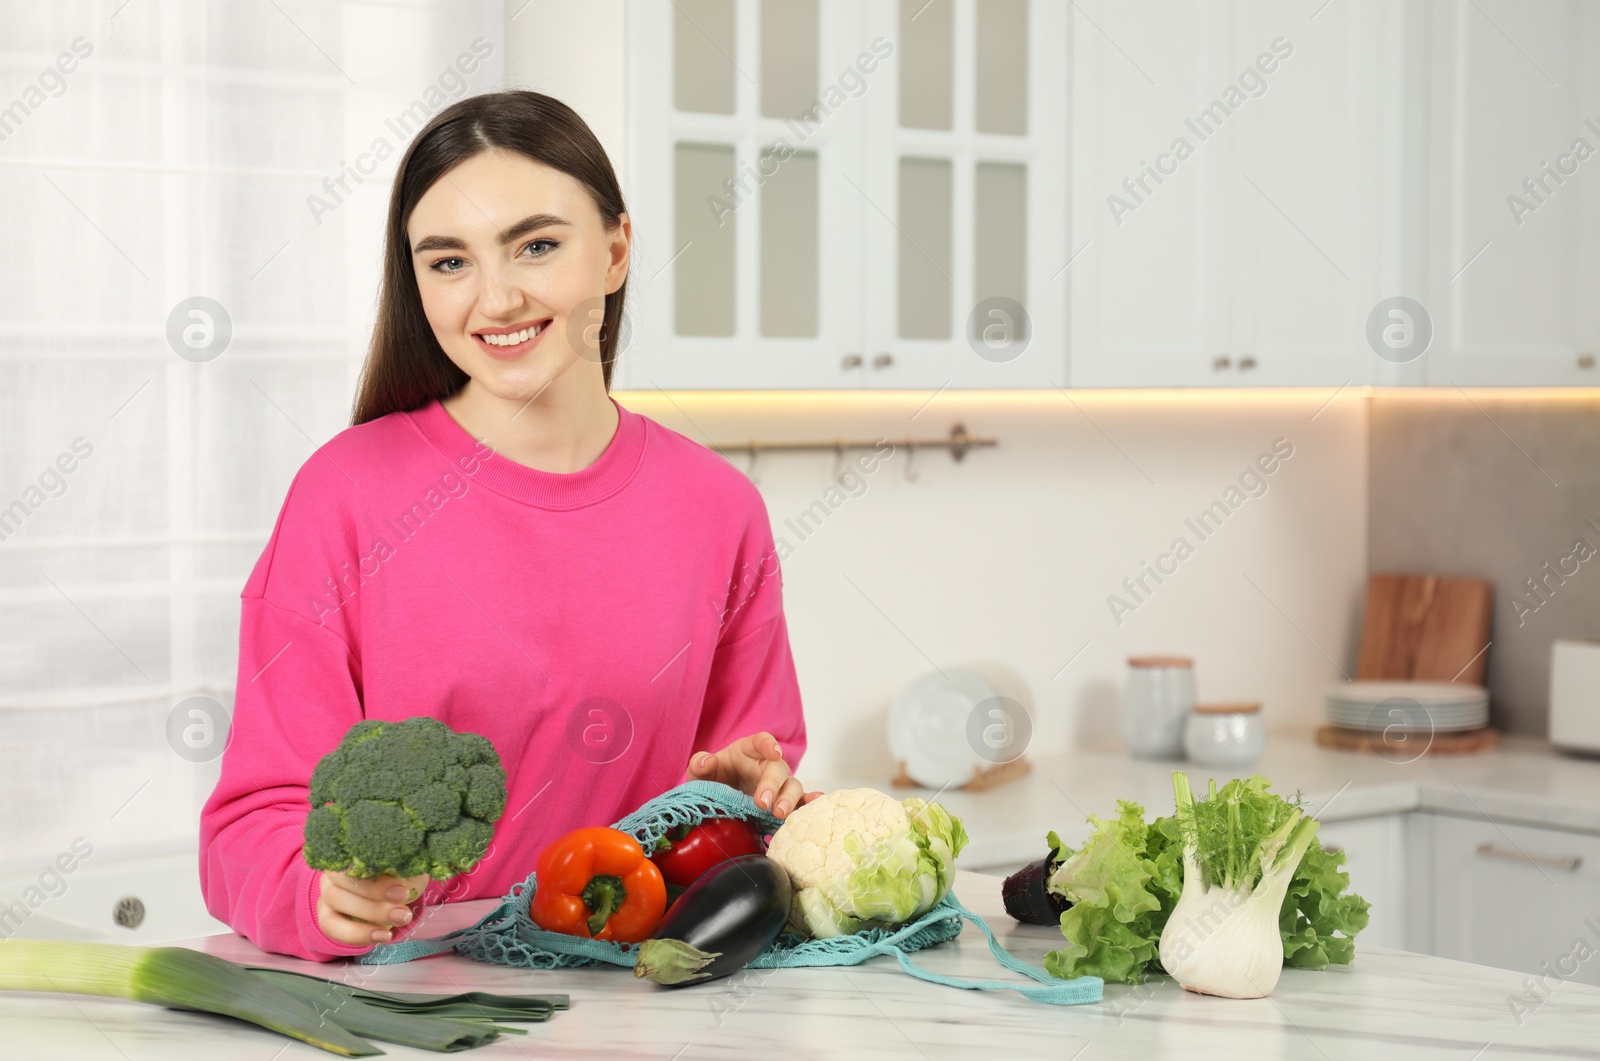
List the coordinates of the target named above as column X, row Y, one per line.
column 1222, row 937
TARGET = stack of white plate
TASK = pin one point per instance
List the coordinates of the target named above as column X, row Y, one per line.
column 1378, row 706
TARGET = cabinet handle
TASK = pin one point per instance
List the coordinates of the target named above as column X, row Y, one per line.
column 1246, row 363
column 851, row 361
column 883, row 361
column 1585, row 360
column 1570, row 863
column 1221, row 361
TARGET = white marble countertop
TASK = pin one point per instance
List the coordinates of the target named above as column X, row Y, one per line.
column 1523, row 781
column 1387, row 1004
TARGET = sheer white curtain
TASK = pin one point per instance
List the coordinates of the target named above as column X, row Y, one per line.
column 154, row 152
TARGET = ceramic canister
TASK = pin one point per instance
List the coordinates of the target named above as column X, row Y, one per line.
column 1225, row 734
column 1159, row 698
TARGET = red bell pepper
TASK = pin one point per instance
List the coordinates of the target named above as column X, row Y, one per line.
column 596, row 882
column 687, row 852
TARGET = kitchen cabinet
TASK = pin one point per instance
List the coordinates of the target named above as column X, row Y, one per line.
column 892, row 193
column 1152, row 217
column 1232, row 188
column 1375, row 857
column 1517, row 897
column 1432, row 150
column 842, row 195
column 745, row 224
column 1512, row 211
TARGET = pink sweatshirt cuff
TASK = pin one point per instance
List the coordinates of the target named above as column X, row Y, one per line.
column 320, row 946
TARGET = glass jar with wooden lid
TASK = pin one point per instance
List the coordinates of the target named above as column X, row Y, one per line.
column 1159, row 696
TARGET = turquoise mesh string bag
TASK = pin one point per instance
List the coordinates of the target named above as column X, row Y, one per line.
column 507, row 935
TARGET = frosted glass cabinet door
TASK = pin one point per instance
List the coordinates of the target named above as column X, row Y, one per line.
column 843, row 194
column 963, row 177
column 744, row 126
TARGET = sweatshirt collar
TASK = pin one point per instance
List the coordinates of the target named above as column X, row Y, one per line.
column 552, row 490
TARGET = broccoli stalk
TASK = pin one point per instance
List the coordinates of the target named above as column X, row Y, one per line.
column 400, row 799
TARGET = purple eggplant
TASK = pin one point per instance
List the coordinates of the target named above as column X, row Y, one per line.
column 731, row 913
column 1028, row 899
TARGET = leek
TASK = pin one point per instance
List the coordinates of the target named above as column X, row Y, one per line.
column 339, row 1004
column 443, row 1023
column 169, row 976
column 468, row 1005
column 325, row 1014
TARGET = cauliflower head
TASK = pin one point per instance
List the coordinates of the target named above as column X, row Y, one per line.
column 861, row 859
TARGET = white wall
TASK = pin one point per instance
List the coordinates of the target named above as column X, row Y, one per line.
column 577, row 53
column 1011, row 554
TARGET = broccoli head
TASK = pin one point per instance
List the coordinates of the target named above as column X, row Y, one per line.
column 399, row 799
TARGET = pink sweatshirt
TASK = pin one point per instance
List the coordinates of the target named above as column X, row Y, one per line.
column 598, row 627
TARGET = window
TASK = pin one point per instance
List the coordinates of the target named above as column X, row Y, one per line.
column 239, row 153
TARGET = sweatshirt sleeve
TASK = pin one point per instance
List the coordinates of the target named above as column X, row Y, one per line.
column 753, row 685
column 296, row 697
column 298, row 691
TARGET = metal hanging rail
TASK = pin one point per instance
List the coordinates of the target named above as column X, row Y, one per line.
column 959, row 441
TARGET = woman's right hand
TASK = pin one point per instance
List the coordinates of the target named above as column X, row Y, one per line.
column 361, row 912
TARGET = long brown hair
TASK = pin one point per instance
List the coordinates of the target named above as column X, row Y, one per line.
column 405, row 366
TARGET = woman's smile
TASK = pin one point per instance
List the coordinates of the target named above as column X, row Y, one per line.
column 508, row 344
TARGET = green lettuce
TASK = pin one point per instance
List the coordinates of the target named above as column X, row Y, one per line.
column 1122, row 883
column 1125, row 880
column 1316, row 907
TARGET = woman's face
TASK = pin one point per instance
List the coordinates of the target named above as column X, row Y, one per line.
column 513, row 265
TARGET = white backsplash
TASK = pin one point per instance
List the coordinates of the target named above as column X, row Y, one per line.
column 1011, row 555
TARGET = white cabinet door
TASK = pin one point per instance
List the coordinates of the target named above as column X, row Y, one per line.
column 834, row 194
column 744, row 136
column 963, row 181
column 1514, row 193
column 1375, row 859
column 1517, row 897
column 1315, row 186
column 1152, row 224
column 1234, row 177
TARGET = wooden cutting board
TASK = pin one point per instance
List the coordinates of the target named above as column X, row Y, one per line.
column 1425, row 628
column 1409, row 746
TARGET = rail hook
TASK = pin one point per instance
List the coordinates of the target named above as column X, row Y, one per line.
column 751, row 471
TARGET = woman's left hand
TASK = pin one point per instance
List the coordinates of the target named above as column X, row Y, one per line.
column 754, row 765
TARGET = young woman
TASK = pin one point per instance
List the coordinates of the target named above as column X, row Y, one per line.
column 495, row 542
